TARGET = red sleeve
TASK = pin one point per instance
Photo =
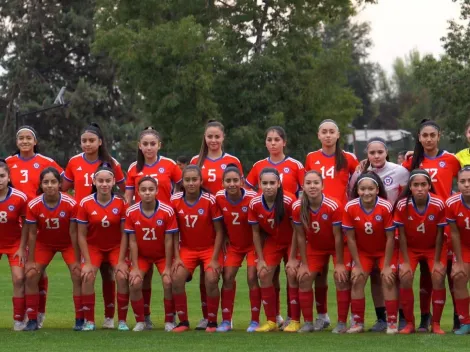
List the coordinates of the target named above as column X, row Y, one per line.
column 74, row 212
column 23, row 207
column 352, row 164
column 123, row 210
column 129, row 225
column 398, row 216
column 82, row 215
column 252, row 216
column 30, row 216
column 307, row 163
column 407, row 163
column 336, row 216
column 450, row 214
column 388, row 220
column 252, row 178
column 69, row 175
column 347, row 220
column 194, row 160
column 176, row 174
column 455, row 166
column 130, row 181
column 301, row 176
column 216, row 214
column 119, row 175
column 296, row 214
column 172, row 226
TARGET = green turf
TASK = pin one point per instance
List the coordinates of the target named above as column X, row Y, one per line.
column 57, row 335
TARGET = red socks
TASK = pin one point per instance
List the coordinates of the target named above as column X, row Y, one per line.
column 293, row 295
column 343, row 300
column 407, row 300
column 358, row 307
column 268, row 296
column 255, row 302
column 181, row 306
column 438, row 302
column 392, row 311
column 462, row 307
column 228, row 298
column 169, row 310
column 32, row 304
column 306, row 305
column 77, row 303
column 321, row 303
column 147, row 294
column 109, row 298
column 18, row 308
column 213, row 308
column 425, row 292
column 88, row 303
column 43, row 287
column 202, row 292
column 138, row 308
column 123, row 306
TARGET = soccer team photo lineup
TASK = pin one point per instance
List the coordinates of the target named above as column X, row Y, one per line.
column 375, row 219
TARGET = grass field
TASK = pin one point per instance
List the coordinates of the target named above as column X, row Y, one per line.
column 58, row 336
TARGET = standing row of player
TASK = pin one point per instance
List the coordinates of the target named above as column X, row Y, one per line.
column 335, row 166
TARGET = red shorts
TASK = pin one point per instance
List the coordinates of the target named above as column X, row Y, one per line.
column 369, row 262
column 427, row 256
column 193, row 258
column 145, row 264
column 235, row 257
column 43, row 254
column 273, row 253
column 97, row 256
column 318, row 259
column 9, row 252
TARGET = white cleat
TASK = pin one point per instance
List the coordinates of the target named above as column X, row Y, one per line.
column 356, row 329
column 169, row 326
column 41, row 318
column 108, row 323
column 139, row 327
column 202, row 325
column 18, row 325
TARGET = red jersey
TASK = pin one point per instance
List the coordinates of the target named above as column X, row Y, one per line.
column 150, row 231
column 80, row 172
column 24, row 173
column 291, row 171
column 164, row 170
column 320, row 235
column 369, row 227
column 235, row 216
column 459, row 214
column 53, row 224
column 442, row 169
column 213, row 171
column 259, row 213
column 420, row 228
column 12, row 208
column 335, row 182
column 196, row 220
column 104, row 221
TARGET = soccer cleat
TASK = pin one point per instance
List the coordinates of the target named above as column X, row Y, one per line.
column 139, row 327
column 321, row 324
column 379, row 326
column 280, row 321
column 307, row 327
column 202, row 325
column 79, row 324
column 148, row 323
column 18, row 325
column 253, row 326
column 31, row 326
column 341, row 328
column 122, row 326
column 401, row 323
column 436, row 329
column 108, row 323
column 356, row 329
column 392, row 329
column 268, row 327
column 408, row 329
column 181, row 327
column 41, row 318
column 456, row 323
column 169, row 326
column 293, row 326
column 211, row 327
column 225, row 326
column 425, row 322
column 464, row 330
column 89, row 326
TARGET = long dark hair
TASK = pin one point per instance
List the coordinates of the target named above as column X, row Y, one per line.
column 374, row 176
column 372, row 140
column 305, row 203
column 340, row 160
column 196, row 168
column 103, row 153
column 4, row 165
column 35, row 135
column 140, row 156
column 418, row 155
column 279, row 130
column 103, row 167
column 232, row 168
column 406, row 193
column 279, row 210
column 48, row 170
column 204, row 148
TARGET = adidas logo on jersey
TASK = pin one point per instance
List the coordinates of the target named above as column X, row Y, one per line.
column 317, row 162
column 140, row 174
column 79, row 168
column 225, row 209
column 260, row 216
column 14, row 166
column 41, row 216
column 137, row 222
column 410, row 218
column 357, row 218
column 181, row 211
column 94, row 213
column 460, row 214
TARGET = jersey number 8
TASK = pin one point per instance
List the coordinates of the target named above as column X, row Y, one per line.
column 368, row 228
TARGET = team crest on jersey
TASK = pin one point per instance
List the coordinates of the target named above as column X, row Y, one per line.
column 115, row 211
column 159, row 222
column 244, row 209
column 62, row 214
column 324, row 216
column 36, row 165
column 388, row 180
column 431, row 217
column 223, row 166
column 286, row 170
column 200, row 211
column 378, row 218
column 442, row 163
column 11, row 207
column 161, row 170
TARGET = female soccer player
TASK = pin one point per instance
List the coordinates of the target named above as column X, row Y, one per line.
column 464, row 155
column 271, row 213
column 234, row 202
column 13, row 240
column 458, row 216
column 368, row 221
column 100, row 220
column 201, row 232
column 212, row 160
column 320, row 218
column 151, row 225
column 52, row 228
column 79, row 177
column 25, row 166
column 420, row 217
column 336, row 167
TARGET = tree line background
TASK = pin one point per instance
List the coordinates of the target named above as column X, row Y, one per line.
column 174, row 64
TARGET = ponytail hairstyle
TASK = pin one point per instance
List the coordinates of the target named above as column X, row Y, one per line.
column 103, row 153
column 279, row 130
column 418, row 155
column 4, row 165
column 48, row 170
column 370, row 175
column 279, row 210
column 103, row 167
column 204, row 149
column 305, row 203
column 406, row 193
column 232, row 168
column 340, row 160
column 149, row 130
column 35, row 135
column 369, row 142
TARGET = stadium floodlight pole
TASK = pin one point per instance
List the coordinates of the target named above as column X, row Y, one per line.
column 59, row 102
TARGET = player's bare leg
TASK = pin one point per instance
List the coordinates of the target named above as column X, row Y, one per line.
column 321, row 299
column 18, row 280
column 255, row 297
column 33, row 275
column 306, row 301
column 460, row 276
column 378, row 299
